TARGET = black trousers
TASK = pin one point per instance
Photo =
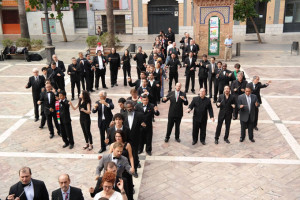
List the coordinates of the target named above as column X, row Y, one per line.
column 73, row 84
column 202, row 126
column 171, row 121
column 203, row 81
column 216, row 90
column 139, row 69
column 236, row 110
column 135, row 149
column 43, row 120
column 129, row 180
column 146, row 138
column 126, row 71
column 103, row 128
column 171, row 77
column 100, row 73
column 210, row 83
column 92, row 78
column 49, row 118
column 113, row 76
column 187, row 81
column 85, row 81
column 248, row 125
column 256, row 117
column 227, row 119
column 86, row 129
column 67, row 133
column 36, row 107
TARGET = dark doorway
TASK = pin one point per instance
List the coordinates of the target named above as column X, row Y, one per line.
column 119, row 24
column 80, row 16
column 260, row 20
column 11, row 22
column 292, row 16
column 162, row 14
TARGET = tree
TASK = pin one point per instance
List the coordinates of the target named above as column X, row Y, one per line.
column 59, row 5
column 110, row 23
column 23, row 19
column 245, row 9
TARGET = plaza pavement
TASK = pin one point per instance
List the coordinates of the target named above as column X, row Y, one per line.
column 266, row 169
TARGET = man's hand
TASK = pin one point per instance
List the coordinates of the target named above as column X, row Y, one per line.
column 155, row 108
column 164, row 98
column 69, row 73
column 235, row 89
column 132, row 170
column 212, row 119
column 96, row 106
column 218, row 103
column 129, row 79
column 91, row 190
column 11, row 197
column 185, row 65
column 106, row 141
column 256, row 104
column 121, row 185
column 182, row 97
column 242, row 90
column 232, row 105
column 58, row 75
column 143, row 124
column 51, row 109
column 53, row 90
column 269, row 82
column 188, row 110
column 74, row 69
column 97, row 177
column 157, row 85
column 112, row 123
column 241, row 106
column 39, row 102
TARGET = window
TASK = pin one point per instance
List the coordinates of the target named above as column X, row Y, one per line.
column 116, row 4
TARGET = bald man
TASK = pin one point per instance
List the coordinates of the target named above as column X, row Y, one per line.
column 66, row 192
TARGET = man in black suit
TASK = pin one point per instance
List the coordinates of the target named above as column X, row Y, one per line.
column 65, row 121
column 201, row 106
column 177, row 98
column 255, row 86
column 184, row 47
column 170, row 35
column 144, row 89
column 226, row 103
column 104, row 107
column 28, row 187
column 116, row 124
column 148, row 111
column 190, row 67
column 154, row 86
column 174, row 50
column 173, row 65
column 212, row 70
column 140, row 58
column 138, row 83
column 216, row 82
column 99, row 62
column 66, row 192
column 247, row 103
column 223, row 78
column 74, row 72
column 48, row 99
column 237, row 88
column 59, row 64
column 36, row 82
column 192, row 48
column 121, row 103
column 186, row 37
column 114, row 66
column 203, row 71
column 56, row 77
column 85, row 69
column 92, row 72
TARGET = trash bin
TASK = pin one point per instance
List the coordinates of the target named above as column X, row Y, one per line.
column 295, row 47
column 238, row 49
column 131, row 48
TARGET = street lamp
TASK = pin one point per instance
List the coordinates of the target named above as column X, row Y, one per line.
column 50, row 49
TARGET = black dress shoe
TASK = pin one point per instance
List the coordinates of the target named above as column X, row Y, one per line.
column 214, row 101
column 241, row 140
column 36, row 119
column 153, row 120
column 149, row 153
column 41, row 127
column 97, row 88
column 252, row 140
column 105, row 87
column 193, row 92
column 72, row 99
column 227, row 141
column 135, row 175
column 203, row 143
column 65, row 145
column 101, row 150
column 116, row 84
column 178, row 140
column 71, row 146
column 216, row 142
column 186, row 91
column 139, row 152
column 51, row 136
column 210, row 97
column 112, row 86
column 166, row 140
column 59, row 134
column 255, row 128
column 193, row 143
column 92, row 90
column 139, row 165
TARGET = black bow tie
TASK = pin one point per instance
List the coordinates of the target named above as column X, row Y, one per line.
column 144, row 106
column 116, row 158
column 24, row 185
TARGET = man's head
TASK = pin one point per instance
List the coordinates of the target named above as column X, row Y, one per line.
column 219, row 64
column 187, row 35
column 35, row 72
column 80, row 54
column 240, row 76
column 111, row 167
column 118, row 119
column 88, row 56
column 248, row 91
column 155, row 56
column 145, row 100
column 99, row 53
column 117, row 149
column 44, row 70
column 202, row 93
column 169, row 29
column 228, row 36
column 204, row 57
column 48, row 87
column 144, row 82
column 74, row 61
column 224, row 66
column 226, row 90
column 174, row 44
column 140, row 49
column 212, row 59
column 121, row 102
column 54, row 57
column 173, row 56
column 25, row 175
column 129, row 106
column 151, row 77
column 102, row 95
column 255, row 79
column 237, row 67
column 191, row 54
column 113, row 50
column 143, row 75
column 62, row 95
column 53, row 65
column 192, row 42
column 178, row 87
column 64, row 182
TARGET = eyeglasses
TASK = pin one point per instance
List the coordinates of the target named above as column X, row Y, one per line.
column 107, row 187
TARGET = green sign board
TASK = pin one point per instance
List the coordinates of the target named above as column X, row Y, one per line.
column 52, row 24
column 214, row 36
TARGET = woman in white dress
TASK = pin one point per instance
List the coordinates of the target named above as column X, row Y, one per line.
column 108, row 181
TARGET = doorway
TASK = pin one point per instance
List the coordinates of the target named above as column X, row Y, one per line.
column 260, row 20
column 80, row 16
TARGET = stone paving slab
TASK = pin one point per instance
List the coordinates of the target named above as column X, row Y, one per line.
column 294, row 129
column 6, row 124
column 286, row 109
column 16, row 104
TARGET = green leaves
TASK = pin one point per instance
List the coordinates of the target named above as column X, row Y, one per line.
column 244, row 9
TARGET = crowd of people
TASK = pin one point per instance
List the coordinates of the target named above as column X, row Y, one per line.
column 128, row 132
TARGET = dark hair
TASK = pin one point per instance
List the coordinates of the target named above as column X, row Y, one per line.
column 237, row 65
column 129, row 102
column 145, row 96
column 99, row 51
column 24, row 169
column 63, row 93
column 204, row 55
column 123, row 135
column 118, row 116
column 44, row 68
column 87, row 55
column 143, row 72
column 110, row 164
column 224, row 65
column 248, row 88
column 213, row 58
column 85, row 98
column 53, row 63
column 121, row 100
column 219, row 62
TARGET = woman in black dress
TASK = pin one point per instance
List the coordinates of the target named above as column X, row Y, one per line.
column 84, row 105
column 125, row 60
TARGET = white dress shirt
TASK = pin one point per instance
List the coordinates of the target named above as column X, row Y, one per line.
column 64, row 194
column 49, row 99
column 29, row 191
column 100, row 62
column 130, row 120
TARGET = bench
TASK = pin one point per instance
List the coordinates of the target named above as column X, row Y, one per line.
column 22, row 55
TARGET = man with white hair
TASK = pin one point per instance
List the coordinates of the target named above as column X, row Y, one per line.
column 60, row 64
column 36, row 82
column 103, row 107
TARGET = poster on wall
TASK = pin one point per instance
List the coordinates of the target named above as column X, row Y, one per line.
column 52, row 24
column 214, row 34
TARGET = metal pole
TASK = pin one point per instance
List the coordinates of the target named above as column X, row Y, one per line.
column 50, row 49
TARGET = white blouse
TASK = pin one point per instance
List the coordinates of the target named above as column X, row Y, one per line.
column 115, row 196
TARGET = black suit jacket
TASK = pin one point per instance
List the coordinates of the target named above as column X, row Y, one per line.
column 75, row 194
column 85, row 67
column 244, row 112
column 190, row 65
column 134, row 133
column 111, row 132
column 203, row 70
column 57, row 82
column 64, row 109
column 107, row 111
column 173, row 65
column 225, row 106
column 60, row 65
column 209, row 69
column 201, row 108
column 74, row 71
column 140, row 60
column 96, row 62
column 223, row 79
column 238, row 85
column 176, row 108
column 44, row 99
column 40, row 190
column 136, row 84
column 153, row 91
column 256, row 90
column 36, row 85
column 148, row 114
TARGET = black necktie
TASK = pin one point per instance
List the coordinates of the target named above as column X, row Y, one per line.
column 24, row 185
column 116, row 158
